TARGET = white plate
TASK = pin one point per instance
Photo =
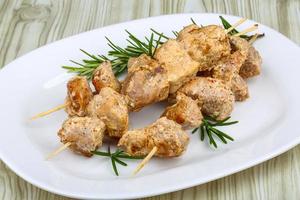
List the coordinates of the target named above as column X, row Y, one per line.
column 36, row 82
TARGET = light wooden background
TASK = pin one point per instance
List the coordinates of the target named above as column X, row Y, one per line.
column 28, row 24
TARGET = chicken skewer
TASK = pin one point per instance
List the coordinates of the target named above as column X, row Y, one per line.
column 107, row 107
column 140, row 166
column 115, row 83
column 79, row 92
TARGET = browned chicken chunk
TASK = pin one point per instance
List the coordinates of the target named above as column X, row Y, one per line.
column 103, row 76
column 145, row 84
column 185, row 112
column 179, row 65
column 228, row 67
column 141, row 62
column 111, row 108
column 239, row 88
column 252, row 65
column 79, row 96
column 206, row 45
column 84, row 133
column 241, row 45
column 165, row 134
column 216, row 98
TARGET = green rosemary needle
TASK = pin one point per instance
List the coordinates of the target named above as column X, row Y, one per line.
column 116, row 157
column 208, row 127
column 193, row 21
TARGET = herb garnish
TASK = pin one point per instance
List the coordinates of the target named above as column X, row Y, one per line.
column 208, row 128
column 87, row 67
column 116, row 157
column 227, row 25
column 117, row 56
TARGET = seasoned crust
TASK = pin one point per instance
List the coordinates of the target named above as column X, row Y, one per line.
column 78, row 96
column 215, row 97
column 145, row 84
column 103, row 76
column 84, row 133
column 252, row 65
column 165, row 134
column 239, row 88
column 178, row 64
column 185, row 112
column 111, row 108
column 206, row 45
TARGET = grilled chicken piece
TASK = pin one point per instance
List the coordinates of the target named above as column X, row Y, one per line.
column 179, row 65
column 206, row 45
column 241, row 45
column 228, row 67
column 185, row 112
column 165, row 134
column 103, row 76
column 228, row 71
column 142, row 62
column 252, row 65
column 239, row 88
column 78, row 96
column 111, row 108
column 84, row 133
column 146, row 83
column 216, row 98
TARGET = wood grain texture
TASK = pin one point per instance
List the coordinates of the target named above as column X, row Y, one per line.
column 28, row 24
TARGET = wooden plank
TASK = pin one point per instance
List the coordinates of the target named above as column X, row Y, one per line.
column 28, row 24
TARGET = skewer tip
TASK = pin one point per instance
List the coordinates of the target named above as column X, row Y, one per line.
column 57, row 151
column 145, row 161
column 236, row 25
column 42, row 114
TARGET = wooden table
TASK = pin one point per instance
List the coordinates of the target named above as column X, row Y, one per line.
column 28, row 24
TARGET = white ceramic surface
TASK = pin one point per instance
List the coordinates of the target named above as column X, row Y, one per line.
column 36, row 82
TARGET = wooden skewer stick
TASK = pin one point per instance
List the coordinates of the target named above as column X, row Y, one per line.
column 145, row 160
column 57, row 151
column 42, row 114
column 236, row 25
column 247, row 30
column 253, row 38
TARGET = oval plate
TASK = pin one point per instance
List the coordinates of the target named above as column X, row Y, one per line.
column 36, row 82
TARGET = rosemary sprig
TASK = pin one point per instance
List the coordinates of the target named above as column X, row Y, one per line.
column 118, row 56
column 208, row 127
column 227, row 25
column 87, row 67
column 116, row 157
